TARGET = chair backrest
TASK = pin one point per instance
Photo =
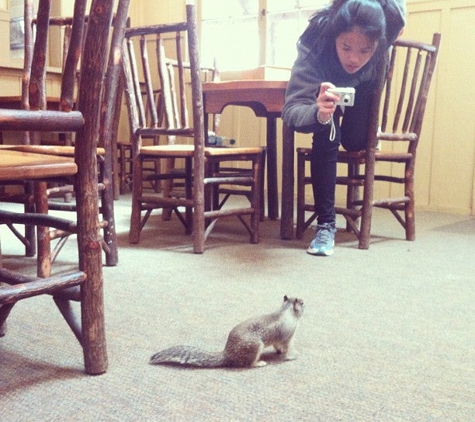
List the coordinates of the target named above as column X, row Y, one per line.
column 159, row 75
column 60, row 42
column 60, row 29
column 54, row 44
column 411, row 66
column 174, row 75
column 36, row 52
column 36, row 58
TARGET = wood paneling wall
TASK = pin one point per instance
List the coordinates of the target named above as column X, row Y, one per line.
column 446, row 158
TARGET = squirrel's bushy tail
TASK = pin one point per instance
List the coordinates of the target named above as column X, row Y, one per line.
column 188, row 356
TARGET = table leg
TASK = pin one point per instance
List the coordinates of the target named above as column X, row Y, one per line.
column 272, row 189
column 287, row 220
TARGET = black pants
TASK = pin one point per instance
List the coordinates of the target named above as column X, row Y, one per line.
column 352, row 134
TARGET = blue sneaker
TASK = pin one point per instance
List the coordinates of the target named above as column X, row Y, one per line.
column 322, row 243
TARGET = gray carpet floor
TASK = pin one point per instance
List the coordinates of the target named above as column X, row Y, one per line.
column 388, row 333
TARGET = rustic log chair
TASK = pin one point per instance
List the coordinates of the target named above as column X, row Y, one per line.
column 62, row 29
column 170, row 111
column 199, row 161
column 33, row 68
column 209, row 73
column 396, row 128
column 86, row 121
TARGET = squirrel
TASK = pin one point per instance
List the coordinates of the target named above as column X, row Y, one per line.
column 245, row 343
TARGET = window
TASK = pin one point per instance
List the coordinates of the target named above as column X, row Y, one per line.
column 230, row 33
column 17, row 29
column 243, row 34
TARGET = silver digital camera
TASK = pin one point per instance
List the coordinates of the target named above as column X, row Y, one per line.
column 347, row 96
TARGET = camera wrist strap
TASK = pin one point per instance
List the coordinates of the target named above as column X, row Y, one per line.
column 332, row 129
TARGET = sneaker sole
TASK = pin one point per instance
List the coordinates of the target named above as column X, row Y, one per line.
column 314, row 252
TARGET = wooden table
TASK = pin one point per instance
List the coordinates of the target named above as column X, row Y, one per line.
column 266, row 99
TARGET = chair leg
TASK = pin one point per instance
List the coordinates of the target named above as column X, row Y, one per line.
column 199, row 223
column 300, row 194
column 365, row 227
column 4, row 312
column 256, row 198
column 212, row 200
column 409, row 211
column 200, row 171
column 30, row 230
column 92, row 313
column 352, row 190
column 116, row 182
column 262, row 202
column 189, row 194
column 107, row 210
column 135, row 217
column 166, row 185
column 43, row 233
column 367, row 208
column 124, row 164
column 68, row 314
column 3, row 329
column 110, row 238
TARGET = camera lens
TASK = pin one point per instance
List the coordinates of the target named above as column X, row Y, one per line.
column 346, row 99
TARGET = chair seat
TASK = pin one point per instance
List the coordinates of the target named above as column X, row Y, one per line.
column 223, row 151
column 359, row 156
column 346, row 156
column 20, row 165
column 58, row 150
column 188, row 151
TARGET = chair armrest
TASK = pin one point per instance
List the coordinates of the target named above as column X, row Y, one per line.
column 40, row 120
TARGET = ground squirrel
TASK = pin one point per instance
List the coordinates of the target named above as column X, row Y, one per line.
column 246, row 341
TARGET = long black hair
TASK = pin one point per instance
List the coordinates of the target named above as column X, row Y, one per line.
column 342, row 16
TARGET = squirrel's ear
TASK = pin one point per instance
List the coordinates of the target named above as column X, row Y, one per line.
column 286, row 298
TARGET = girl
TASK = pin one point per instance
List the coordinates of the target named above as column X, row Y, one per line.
column 339, row 48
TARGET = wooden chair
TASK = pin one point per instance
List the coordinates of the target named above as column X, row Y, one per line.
column 396, row 128
column 199, row 176
column 151, row 170
column 35, row 97
column 23, row 190
column 86, row 123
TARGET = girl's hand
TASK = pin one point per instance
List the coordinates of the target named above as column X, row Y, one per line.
column 326, row 102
